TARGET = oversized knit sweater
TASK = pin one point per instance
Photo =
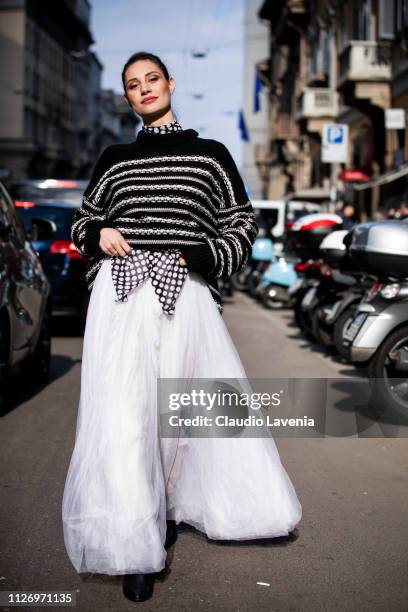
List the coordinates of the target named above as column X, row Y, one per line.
column 167, row 191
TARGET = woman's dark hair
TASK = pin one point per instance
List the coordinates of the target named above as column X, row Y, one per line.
column 144, row 55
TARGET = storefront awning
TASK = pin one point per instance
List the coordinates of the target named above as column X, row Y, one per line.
column 354, row 175
column 383, row 179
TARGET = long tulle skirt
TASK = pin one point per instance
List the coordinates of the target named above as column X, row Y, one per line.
column 124, row 479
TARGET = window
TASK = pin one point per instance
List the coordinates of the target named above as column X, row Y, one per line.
column 401, row 10
column 62, row 217
column 386, row 19
column 361, row 22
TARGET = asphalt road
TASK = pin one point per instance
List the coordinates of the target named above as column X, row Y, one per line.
column 351, row 547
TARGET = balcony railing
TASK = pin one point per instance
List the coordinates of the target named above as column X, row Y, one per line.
column 365, row 61
column 315, row 102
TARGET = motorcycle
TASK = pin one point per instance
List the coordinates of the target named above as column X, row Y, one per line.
column 377, row 336
column 303, row 294
column 338, row 293
column 305, row 237
column 331, row 290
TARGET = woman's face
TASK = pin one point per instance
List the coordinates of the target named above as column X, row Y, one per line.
column 147, row 90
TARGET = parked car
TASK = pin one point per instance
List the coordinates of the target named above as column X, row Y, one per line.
column 61, row 260
column 277, row 216
column 64, row 266
column 25, row 298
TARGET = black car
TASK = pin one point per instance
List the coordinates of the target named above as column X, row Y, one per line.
column 25, row 298
column 56, row 200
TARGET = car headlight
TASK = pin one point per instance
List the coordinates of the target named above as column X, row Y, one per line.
column 390, row 291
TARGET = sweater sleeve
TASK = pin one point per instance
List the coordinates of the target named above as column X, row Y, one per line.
column 90, row 217
column 227, row 254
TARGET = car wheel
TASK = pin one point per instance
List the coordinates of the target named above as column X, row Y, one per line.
column 36, row 368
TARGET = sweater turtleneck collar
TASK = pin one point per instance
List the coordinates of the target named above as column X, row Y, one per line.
column 171, row 135
column 166, row 128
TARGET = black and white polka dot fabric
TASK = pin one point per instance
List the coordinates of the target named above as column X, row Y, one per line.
column 166, row 128
column 163, row 267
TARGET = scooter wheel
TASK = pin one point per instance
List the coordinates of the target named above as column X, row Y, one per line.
column 277, row 301
column 253, row 283
column 386, row 380
column 239, row 281
column 303, row 320
column 272, row 304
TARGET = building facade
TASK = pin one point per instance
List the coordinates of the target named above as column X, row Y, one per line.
column 55, row 118
column 338, row 61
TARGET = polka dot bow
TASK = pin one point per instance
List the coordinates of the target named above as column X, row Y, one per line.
column 163, row 268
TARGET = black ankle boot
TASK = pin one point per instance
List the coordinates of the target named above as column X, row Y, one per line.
column 138, row 587
column 171, row 534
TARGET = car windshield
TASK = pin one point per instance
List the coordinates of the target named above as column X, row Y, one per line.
column 293, row 214
column 61, row 216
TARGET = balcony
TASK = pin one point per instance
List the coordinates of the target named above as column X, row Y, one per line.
column 365, row 61
column 316, row 103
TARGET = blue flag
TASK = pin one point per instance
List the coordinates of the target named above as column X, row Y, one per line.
column 242, row 127
column 257, row 90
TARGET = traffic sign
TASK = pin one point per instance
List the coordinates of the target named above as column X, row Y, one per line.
column 334, row 143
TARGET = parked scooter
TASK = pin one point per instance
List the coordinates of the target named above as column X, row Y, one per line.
column 338, row 293
column 276, row 282
column 303, row 293
column 378, row 333
column 332, row 286
column 261, row 257
column 343, row 313
column 305, row 238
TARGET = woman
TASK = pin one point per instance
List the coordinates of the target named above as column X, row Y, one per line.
column 162, row 219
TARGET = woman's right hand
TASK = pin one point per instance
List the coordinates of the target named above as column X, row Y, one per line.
column 113, row 243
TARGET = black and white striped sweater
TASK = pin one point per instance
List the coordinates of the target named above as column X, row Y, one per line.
column 167, row 191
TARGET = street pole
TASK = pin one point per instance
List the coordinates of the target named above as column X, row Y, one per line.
column 335, row 137
column 333, row 187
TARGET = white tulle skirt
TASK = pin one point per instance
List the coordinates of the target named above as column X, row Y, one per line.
column 124, row 480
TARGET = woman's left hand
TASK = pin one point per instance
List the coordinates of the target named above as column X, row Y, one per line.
column 182, row 261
